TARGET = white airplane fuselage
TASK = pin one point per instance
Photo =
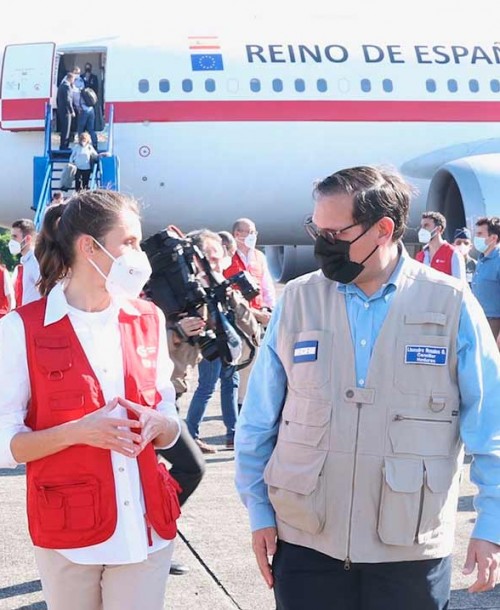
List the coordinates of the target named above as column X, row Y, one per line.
column 213, row 128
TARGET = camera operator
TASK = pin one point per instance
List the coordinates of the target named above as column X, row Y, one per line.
column 211, row 370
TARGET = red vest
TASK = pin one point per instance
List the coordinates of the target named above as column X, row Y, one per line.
column 256, row 270
column 4, row 301
column 71, row 494
column 18, row 285
column 441, row 261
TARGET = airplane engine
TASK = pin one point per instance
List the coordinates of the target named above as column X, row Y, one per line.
column 288, row 262
column 466, row 189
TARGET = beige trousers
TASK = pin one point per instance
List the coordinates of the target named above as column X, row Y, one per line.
column 244, row 374
column 75, row 586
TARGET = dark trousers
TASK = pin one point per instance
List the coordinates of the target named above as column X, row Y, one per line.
column 188, row 463
column 65, row 128
column 305, row 579
column 82, row 178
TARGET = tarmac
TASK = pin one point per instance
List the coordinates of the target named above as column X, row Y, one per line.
column 214, row 542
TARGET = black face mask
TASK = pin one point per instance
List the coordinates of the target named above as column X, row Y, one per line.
column 335, row 261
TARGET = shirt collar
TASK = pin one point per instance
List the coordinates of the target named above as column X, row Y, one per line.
column 57, row 305
column 495, row 253
column 386, row 288
column 26, row 257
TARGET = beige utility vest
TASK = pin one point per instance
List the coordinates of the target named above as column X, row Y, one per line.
column 369, row 474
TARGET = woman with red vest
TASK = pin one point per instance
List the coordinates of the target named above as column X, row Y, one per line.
column 86, row 399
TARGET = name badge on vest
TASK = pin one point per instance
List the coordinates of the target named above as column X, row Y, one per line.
column 305, row 351
column 426, row 354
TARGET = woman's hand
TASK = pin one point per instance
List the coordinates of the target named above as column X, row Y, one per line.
column 98, row 429
column 154, row 425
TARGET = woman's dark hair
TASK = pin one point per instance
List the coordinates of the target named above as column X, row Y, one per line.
column 88, row 212
column 376, row 192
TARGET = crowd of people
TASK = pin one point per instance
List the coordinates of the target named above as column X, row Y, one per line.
column 96, row 429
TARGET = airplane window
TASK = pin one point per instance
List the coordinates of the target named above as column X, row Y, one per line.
column 344, row 85
column 473, row 85
column 430, row 85
column 366, row 85
column 495, row 85
column 143, row 85
column 164, row 85
column 187, row 85
column 210, row 85
column 300, row 85
column 452, row 85
column 322, row 85
column 277, row 85
column 255, row 85
column 387, row 85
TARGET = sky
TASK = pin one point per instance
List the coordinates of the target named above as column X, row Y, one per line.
column 31, row 20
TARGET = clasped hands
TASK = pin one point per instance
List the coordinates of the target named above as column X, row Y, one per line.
column 126, row 436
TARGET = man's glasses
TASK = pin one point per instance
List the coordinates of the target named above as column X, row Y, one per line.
column 330, row 235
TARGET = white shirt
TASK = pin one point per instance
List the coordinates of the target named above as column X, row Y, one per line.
column 99, row 335
column 267, row 290
column 31, row 275
column 8, row 288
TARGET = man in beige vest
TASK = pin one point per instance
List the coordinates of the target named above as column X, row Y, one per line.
column 373, row 372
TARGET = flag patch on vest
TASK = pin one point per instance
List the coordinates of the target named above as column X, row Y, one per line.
column 426, row 354
column 305, row 351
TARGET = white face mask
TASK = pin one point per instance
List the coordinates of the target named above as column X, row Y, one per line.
column 128, row 274
column 463, row 249
column 425, row 236
column 251, row 241
column 15, row 247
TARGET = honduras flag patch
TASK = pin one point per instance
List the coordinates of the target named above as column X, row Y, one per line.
column 305, row 351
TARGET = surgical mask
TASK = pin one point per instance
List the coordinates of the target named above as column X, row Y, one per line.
column 480, row 244
column 463, row 249
column 128, row 274
column 425, row 236
column 251, row 241
column 15, row 247
column 335, row 260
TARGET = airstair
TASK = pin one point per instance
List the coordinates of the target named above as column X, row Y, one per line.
column 47, row 169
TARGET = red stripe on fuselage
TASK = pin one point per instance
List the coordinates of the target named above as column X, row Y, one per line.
column 278, row 110
column 303, row 110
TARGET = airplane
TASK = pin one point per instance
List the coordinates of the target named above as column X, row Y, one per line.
column 211, row 125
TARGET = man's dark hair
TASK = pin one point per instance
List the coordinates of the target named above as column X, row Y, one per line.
column 26, row 225
column 437, row 217
column 493, row 224
column 376, row 192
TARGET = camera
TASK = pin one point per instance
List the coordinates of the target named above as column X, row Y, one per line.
column 175, row 287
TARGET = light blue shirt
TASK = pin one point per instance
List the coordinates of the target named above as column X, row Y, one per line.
column 486, row 283
column 478, row 372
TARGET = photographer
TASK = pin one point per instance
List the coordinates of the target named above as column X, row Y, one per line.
column 210, row 371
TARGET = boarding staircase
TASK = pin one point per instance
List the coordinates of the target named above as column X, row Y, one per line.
column 47, row 169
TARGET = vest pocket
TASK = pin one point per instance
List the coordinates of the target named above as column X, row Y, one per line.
column 66, row 406
column 438, row 482
column 306, row 422
column 400, row 502
column 297, row 487
column 421, row 362
column 68, row 506
column 434, row 434
column 170, row 490
column 309, row 360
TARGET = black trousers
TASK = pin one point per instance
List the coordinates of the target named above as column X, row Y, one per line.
column 188, row 463
column 82, row 178
column 65, row 128
column 305, row 579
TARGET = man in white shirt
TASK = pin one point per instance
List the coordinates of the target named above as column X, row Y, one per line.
column 27, row 273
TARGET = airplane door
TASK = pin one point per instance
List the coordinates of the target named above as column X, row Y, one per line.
column 26, row 85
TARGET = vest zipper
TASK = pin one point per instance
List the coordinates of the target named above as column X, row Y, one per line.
column 427, row 419
column 148, row 529
column 347, row 561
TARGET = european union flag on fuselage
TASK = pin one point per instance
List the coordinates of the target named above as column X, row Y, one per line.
column 206, row 62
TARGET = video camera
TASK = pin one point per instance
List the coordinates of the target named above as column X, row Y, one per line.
column 175, row 286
